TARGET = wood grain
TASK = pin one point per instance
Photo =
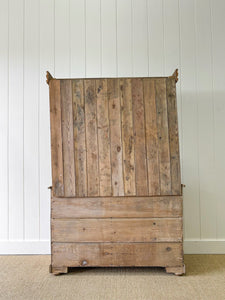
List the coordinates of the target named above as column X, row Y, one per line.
column 127, row 137
column 105, row 186
column 117, row 254
column 79, row 138
column 117, row 207
column 91, row 138
column 56, row 138
column 173, row 137
column 115, row 137
column 117, row 230
column 67, row 136
column 163, row 137
column 152, row 146
column 139, row 138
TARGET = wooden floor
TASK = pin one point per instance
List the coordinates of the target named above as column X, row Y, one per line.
column 27, row 277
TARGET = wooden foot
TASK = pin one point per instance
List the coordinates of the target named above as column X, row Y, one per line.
column 57, row 270
column 176, row 270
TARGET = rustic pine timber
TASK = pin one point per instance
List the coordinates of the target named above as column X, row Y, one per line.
column 116, row 197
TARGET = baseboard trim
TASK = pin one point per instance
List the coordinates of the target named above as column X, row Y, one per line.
column 43, row 247
column 24, row 247
column 205, row 246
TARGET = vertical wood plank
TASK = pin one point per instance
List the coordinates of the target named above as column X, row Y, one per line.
column 4, row 111
column 93, row 41
column 173, row 137
column 189, row 120
column 16, row 147
column 62, row 39
column 151, row 137
column 205, row 120
column 139, row 137
column 124, row 38
column 77, row 38
column 91, row 138
column 67, row 137
column 79, row 138
column 109, row 42
column 46, row 63
column 56, row 138
column 163, row 138
column 115, row 137
column 31, row 114
column 105, row 185
column 140, row 37
column 127, row 137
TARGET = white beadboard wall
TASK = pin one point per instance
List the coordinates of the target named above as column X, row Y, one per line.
column 99, row 38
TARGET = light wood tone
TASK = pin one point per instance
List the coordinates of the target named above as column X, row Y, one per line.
column 91, row 138
column 151, row 137
column 117, row 230
column 173, row 136
column 139, row 137
column 117, row 207
column 67, row 136
column 118, row 201
column 56, row 138
column 79, row 138
column 117, row 254
column 105, row 186
column 127, row 137
column 163, row 137
column 115, row 137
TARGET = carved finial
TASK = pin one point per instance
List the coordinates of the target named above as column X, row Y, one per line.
column 48, row 76
column 175, row 75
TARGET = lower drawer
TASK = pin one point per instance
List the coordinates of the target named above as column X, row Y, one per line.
column 117, row 254
column 117, row 230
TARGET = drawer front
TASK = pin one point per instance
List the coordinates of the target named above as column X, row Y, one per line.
column 117, row 207
column 117, row 230
column 117, row 254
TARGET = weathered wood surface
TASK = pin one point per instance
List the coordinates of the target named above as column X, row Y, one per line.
column 116, row 136
column 117, row 207
column 56, row 138
column 117, row 230
column 117, row 254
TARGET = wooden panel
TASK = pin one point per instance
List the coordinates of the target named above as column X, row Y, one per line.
column 105, row 186
column 115, row 137
column 56, row 138
column 124, row 254
column 151, row 137
column 79, row 138
column 173, row 137
column 139, row 137
column 163, row 139
column 127, row 137
column 91, row 138
column 115, row 207
column 117, row 230
column 67, row 136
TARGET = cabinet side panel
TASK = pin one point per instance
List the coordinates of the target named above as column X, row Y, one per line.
column 56, row 138
column 173, row 137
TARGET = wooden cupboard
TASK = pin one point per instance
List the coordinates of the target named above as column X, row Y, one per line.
column 116, row 184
